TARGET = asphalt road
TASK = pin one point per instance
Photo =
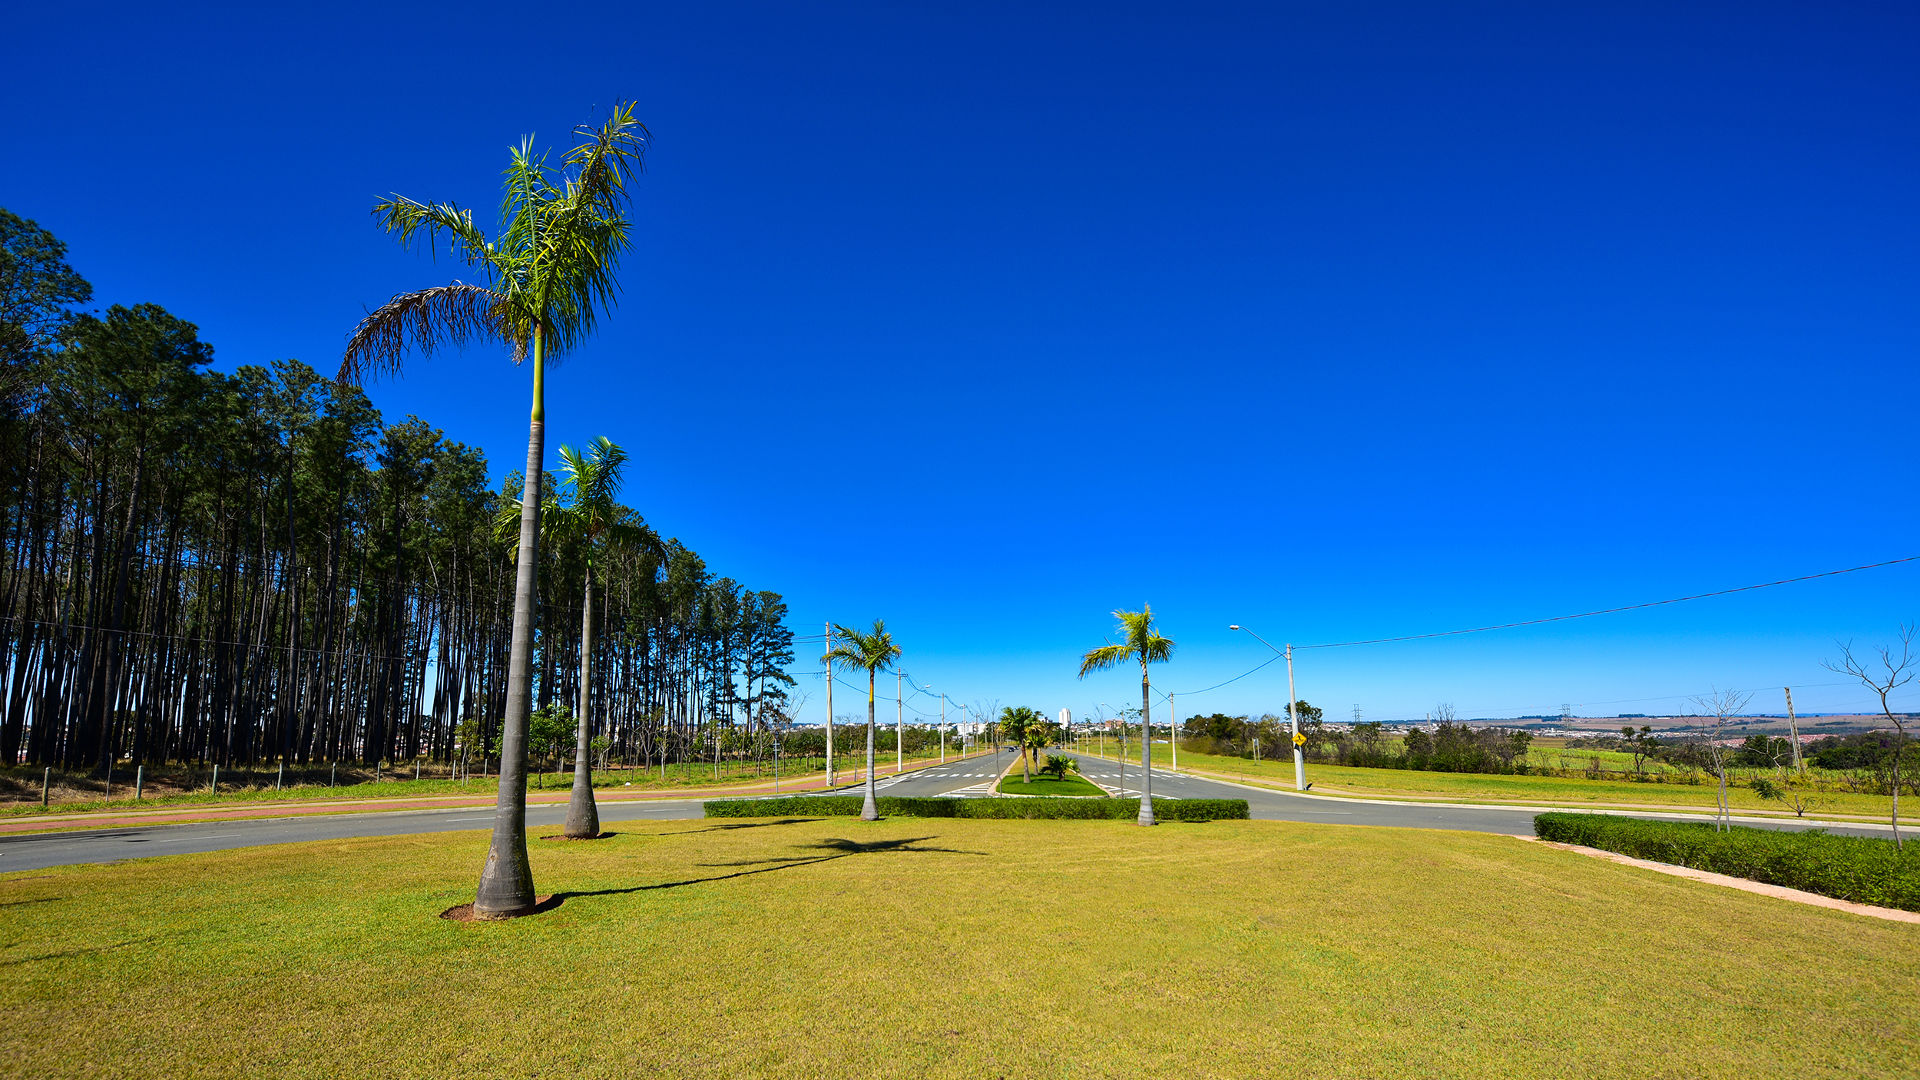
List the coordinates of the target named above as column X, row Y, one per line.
column 1266, row 804
column 970, row 777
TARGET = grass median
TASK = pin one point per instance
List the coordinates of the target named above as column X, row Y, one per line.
column 792, row 946
column 1067, row 786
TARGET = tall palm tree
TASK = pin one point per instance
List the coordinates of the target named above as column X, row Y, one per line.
column 876, row 652
column 587, row 517
column 1144, row 644
column 546, row 277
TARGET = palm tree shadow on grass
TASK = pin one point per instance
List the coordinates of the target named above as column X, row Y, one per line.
column 837, row 849
column 744, row 825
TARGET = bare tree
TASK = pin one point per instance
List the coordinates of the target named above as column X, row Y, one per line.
column 1894, row 671
column 1721, row 705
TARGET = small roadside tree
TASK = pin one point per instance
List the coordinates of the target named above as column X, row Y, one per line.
column 1640, row 744
column 547, row 732
column 1721, row 705
column 1895, row 670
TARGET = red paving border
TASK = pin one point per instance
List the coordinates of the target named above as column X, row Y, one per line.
column 112, row 819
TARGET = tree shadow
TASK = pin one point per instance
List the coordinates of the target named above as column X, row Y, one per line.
column 744, row 825
column 66, row 953
column 836, row 849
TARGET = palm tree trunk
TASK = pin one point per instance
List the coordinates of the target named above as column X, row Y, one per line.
column 583, row 817
column 870, row 809
column 1146, row 750
column 506, row 881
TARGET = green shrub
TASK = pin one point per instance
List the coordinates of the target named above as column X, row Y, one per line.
column 1050, row 808
column 1865, row 870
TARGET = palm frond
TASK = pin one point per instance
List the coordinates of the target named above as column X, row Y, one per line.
column 1156, row 650
column 607, row 160
column 426, row 320
column 1104, row 657
column 873, row 650
column 1141, row 642
column 443, row 223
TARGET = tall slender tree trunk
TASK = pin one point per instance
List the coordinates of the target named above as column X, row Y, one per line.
column 583, row 817
column 869, row 809
column 1146, row 748
column 506, row 881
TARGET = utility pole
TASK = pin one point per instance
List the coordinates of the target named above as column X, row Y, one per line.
column 829, row 707
column 1173, row 732
column 943, row 727
column 899, row 725
column 1793, row 731
column 1293, row 719
column 1293, row 709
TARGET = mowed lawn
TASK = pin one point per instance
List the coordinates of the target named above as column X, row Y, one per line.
column 948, row 948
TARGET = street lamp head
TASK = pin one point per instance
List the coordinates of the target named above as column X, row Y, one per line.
column 1233, row 626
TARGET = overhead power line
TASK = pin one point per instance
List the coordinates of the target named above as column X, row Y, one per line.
column 1611, row 610
column 1557, row 618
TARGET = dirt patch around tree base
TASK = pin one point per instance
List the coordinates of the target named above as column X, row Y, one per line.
column 465, row 912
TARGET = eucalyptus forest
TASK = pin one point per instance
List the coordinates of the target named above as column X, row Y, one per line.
column 249, row 566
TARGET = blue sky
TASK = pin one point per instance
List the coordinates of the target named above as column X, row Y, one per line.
column 1335, row 320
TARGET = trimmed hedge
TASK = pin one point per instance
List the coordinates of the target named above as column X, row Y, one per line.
column 1865, row 870
column 1055, row 808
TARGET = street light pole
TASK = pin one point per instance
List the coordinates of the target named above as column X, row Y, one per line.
column 829, row 710
column 899, row 725
column 1293, row 709
column 943, row 726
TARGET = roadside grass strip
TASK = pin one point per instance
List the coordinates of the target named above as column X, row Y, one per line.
column 1864, row 870
column 725, row 949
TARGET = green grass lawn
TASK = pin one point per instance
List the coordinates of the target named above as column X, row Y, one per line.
column 777, row 947
column 1047, row 785
column 1487, row 787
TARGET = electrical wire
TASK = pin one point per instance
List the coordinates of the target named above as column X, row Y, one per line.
column 1612, row 610
column 1560, row 618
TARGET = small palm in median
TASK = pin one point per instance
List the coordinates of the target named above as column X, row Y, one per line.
column 876, row 652
column 588, row 519
column 1021, row 727
column 1144, row 644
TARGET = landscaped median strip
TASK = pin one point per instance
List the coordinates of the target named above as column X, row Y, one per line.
column 1043, row 806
